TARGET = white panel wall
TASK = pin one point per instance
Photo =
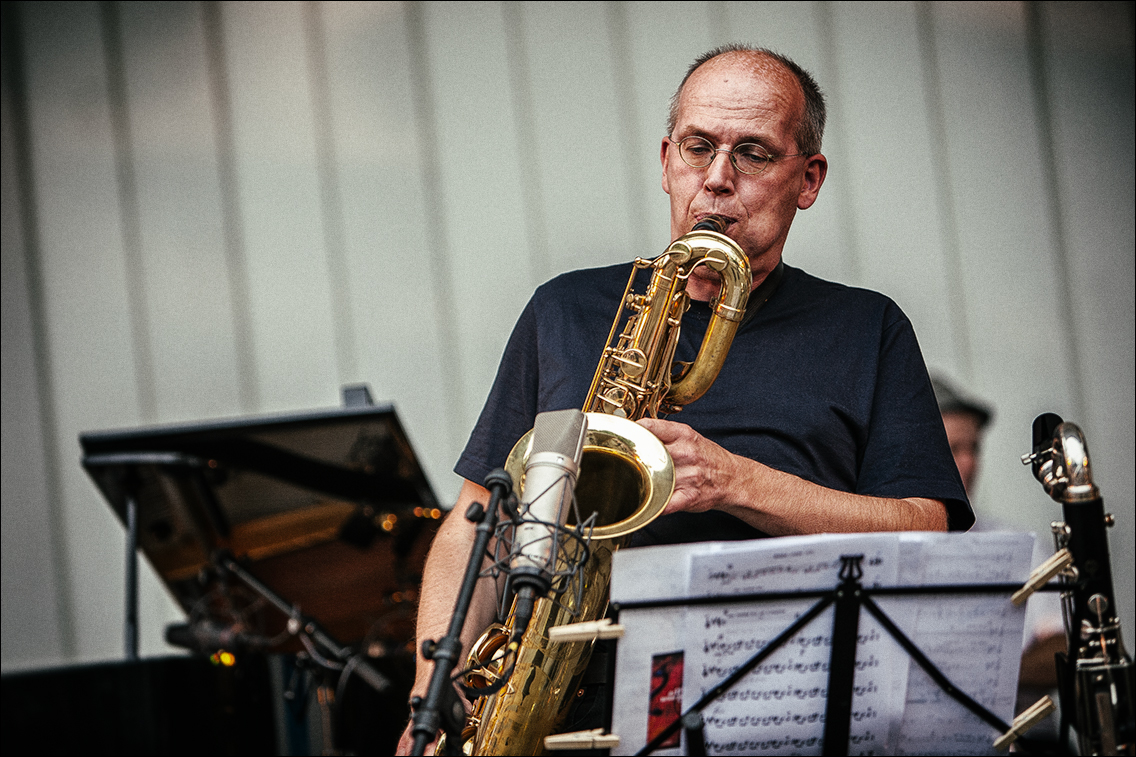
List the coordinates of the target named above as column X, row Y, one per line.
column 239, row 207
column 896, row 238
column 293, row 336
column 397, row 283
column 571, row 116
column 35, row 620
column 1010, row 257
column 182, row 266
column 1089, row 70
column 85, row 292
column 468, row 67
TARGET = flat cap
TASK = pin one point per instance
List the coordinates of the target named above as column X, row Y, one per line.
column 952, row 401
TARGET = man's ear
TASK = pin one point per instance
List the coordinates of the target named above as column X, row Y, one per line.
column 816, row 168
column 664, row 158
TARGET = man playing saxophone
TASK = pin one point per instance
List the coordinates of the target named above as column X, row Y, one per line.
column 822, row 418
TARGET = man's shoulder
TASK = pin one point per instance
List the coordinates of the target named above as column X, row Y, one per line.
column 605, row 276
column 811, row 284
column 583, row 284
column 807, row 289
column 602, row 288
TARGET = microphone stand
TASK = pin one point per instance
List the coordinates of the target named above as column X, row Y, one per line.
column 442, row 708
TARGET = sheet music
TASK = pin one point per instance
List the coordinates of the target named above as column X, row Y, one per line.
column 974, row 639
column 778, row 708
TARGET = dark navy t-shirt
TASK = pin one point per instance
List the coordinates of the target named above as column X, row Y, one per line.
column 825, row 382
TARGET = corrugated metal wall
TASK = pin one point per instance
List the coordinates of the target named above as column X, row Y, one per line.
column 219, row 209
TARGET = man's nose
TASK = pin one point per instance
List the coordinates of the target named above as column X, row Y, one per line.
column 720, row 172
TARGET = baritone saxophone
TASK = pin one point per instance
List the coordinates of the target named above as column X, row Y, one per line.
column 626, row 478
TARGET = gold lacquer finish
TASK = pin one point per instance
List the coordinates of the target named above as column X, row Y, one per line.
column 626, row 477
column 634, row 377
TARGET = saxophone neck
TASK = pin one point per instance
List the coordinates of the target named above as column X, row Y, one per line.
column 635, row 375
column 711, row 223
column 705, row 245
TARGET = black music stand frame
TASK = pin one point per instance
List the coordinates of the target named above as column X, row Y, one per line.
column 848, row 596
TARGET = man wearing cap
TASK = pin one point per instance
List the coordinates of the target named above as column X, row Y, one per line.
column 965, row 420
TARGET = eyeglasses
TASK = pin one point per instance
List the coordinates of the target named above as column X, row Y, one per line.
column 749, row 158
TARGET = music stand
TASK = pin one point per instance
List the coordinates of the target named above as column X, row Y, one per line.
column 323, row 519
column 848, row 597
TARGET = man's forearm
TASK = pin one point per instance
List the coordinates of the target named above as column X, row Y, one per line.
column 781, row 504
column 441, row 583
column 708, row 477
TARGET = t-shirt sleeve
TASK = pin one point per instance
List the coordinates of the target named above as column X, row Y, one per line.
column 511, row 407
column 907, row 453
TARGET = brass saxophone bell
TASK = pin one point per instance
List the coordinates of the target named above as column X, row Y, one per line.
column 626, row 475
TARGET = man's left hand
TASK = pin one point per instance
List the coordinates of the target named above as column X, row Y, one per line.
column 705, row 473
column 708, row 477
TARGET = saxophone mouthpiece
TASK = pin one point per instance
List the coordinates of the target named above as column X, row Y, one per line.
column 711, row 223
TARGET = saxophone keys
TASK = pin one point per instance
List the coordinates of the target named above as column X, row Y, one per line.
column 632, row 362
column 619, row 401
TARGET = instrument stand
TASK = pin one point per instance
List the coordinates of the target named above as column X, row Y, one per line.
column 442, row 709
column 693, row 727
column 849, row 597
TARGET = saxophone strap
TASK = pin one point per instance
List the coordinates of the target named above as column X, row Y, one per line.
column 761, row 295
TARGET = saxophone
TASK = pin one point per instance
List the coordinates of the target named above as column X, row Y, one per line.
column 1094, row 675
column 626, row 478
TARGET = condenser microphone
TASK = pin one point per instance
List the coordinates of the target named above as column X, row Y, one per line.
column 550, row 482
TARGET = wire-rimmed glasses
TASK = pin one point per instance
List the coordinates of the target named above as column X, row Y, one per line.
column 749, row 158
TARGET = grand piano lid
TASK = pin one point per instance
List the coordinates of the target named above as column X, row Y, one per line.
column 330, row 509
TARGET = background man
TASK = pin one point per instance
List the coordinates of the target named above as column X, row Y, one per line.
column 822, row 418
column 966, row 420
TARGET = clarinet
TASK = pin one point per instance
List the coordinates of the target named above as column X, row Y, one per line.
column 1094, row 674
